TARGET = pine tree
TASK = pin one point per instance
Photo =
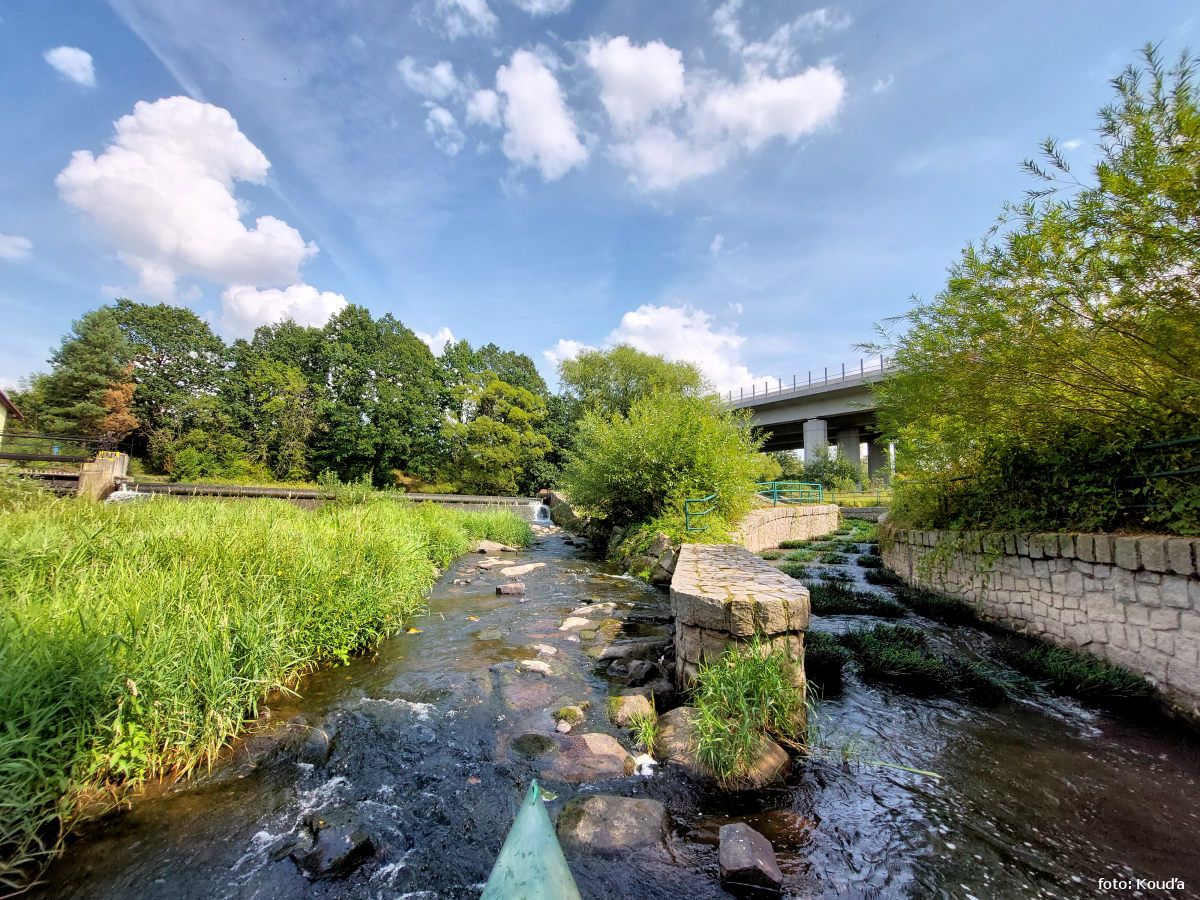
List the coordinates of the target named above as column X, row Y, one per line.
column 91, row 361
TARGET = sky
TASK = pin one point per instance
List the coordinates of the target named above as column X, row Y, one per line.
column 751, row 186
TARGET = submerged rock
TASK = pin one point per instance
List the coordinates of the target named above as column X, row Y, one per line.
column 535, row 665
column 588, row 757
column 571, row 622
column 747, row 861
column 531, row 745
column 611, row 825
column 512, row 571
column 331, row 848
column 636, row 648
column 563, row 727
column 593, row 608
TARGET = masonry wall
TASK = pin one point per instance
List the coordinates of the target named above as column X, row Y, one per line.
column 766, row 527
column 1134, row 601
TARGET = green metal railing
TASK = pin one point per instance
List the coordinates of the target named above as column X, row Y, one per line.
column 790, row 492
column 689, row 513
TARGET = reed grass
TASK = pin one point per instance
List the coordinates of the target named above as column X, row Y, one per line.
column 832, row 598
column 137, row 639
column 824, row 661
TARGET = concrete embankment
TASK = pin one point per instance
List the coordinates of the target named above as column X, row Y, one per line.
column 1133, row 601
column 768, row 526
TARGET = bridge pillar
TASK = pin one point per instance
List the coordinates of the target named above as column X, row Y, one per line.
column 879, row 463
column 848, row 444
column 816, row 439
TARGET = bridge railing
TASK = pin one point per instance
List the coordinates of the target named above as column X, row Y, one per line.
column 848, row 374
column 790, row 492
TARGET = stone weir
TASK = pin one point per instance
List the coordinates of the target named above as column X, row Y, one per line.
column 723, row 595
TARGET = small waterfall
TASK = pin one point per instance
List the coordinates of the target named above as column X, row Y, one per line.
column 541, row 513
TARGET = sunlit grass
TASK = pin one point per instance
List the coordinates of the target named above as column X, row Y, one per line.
column 138, row 639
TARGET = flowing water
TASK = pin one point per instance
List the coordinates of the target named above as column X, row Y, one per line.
column 409, row 756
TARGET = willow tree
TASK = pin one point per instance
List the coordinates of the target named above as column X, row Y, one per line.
column 1068, row 338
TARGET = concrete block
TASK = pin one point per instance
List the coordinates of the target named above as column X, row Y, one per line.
column 1066, row 546
column 1125, row 553
column 1147, row 595
column 1085, row 548
column 1152, row 552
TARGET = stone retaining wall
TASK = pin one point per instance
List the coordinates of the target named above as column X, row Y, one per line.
column 766, row 527
column 722, row 595
column 1134, row 601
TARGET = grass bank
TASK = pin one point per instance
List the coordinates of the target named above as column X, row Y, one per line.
column 137, row 639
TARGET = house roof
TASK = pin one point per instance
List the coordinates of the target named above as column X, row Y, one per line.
column 8, row 404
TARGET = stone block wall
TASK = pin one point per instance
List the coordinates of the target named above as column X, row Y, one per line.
column 723, row 595
column 767, row 526
column 1134, row 601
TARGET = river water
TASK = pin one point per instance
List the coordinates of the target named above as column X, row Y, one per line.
column 407, row 754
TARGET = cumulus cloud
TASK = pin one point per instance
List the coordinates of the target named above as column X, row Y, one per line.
column 1073, row 144
column 678, row 333
column 777, row 48
column 14, row 248
column 564, row 349
column 444, row 129
column 543, row 7
column 636, row 81
column 760, row 108
column 436, row 82
column 484, row 107
column 465, row 17
column 163, row 194
column 540, row 132
column 437, row 341
column 244, row 308
column 74, row 64
column 660, row 160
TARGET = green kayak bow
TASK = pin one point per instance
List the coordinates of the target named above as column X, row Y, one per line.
column 531, row 865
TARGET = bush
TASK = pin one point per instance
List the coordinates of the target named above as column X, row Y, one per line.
column 137, row 639
column 740, row 699
column 669, row 448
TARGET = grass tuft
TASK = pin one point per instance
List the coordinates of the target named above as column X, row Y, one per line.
column 870, row 561
column 1080, row 675
column 824, row 661
column 771, row 554
column 838, row 598
column 936, row 606
column 794, row 545
column 884, row 577
column 897, row 655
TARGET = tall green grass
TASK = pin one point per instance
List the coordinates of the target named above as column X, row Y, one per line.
column 138, row 639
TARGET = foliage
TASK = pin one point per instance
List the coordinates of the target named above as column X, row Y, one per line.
column 869, row 561
column 936, row 606
column 740, row 699
column 497, row 441
column 831, row 470
column 837, row 598
column 883, row 576
column 1066, row 339
column 462, row 365
column 88, row 389
column 605, row 383
column 794, row 569
column 627, row 469
column 771, row 554
column 897, row 655
column 795, row 545
column 136, row 639
column 824, row 661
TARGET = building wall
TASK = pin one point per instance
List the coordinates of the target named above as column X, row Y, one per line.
column 1133, row 601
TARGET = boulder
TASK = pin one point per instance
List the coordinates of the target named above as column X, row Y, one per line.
column 587, row 757
column 514, row 589
column 664, row 569
column 676, row 744
column 627, row 707
column 661, row 691
column 573, row 622
column 534, row 665
column 593, row 608
column 659, row 545
column 612, row 825
column 747, row 861
column 493, row 547
column 637, row 648
column 513, row 571
column 642, row 671
column 331, row 847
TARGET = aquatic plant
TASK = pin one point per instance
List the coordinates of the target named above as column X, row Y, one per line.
column 838, row 598
column 936, row 606
column 794, row 545
column 801, row 556
column 868, row 561
column 884, row 577
column 137, row 639
column 831, row 558
column 796, row 570
column 824, row 661
column 644, row 727
column 898, row 655
column 1080, row 675
column 741, row 698
column 771, row 554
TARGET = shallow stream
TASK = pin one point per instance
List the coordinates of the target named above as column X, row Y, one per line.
column 411, row 750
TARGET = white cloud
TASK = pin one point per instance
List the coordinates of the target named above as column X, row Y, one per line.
column 636, row 81
column 540, row 132
column 883, row 84
column 465, row 17
column 564, row 349
column 436, row 342
column 760, row 108
column 162, row 193
column 15, row 248
column 736, row 307
column 1073, row 144
column 726, row 27
column 718, row 244
column 73, row 63
column 659, row 160
column 444, row 129
column 682, row 333
column 484, row 107
column 437, row 82
column 777, row 48
column 543, row 7
column 243, row 308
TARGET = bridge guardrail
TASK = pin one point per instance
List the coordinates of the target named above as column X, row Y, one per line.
column 790, row 492
column 849, row 375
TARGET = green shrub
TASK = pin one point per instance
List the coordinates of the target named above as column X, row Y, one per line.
column 771, row 554
column 824, row 661
column 836, row 598
column 669, row 448
column 740, row 699
column 137, row 639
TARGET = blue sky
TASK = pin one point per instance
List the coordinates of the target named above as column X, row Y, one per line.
column 749, row 185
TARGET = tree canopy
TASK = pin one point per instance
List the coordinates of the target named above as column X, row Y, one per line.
column 608, row 382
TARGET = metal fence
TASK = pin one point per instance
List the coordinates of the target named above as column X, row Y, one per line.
column 848, row 374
